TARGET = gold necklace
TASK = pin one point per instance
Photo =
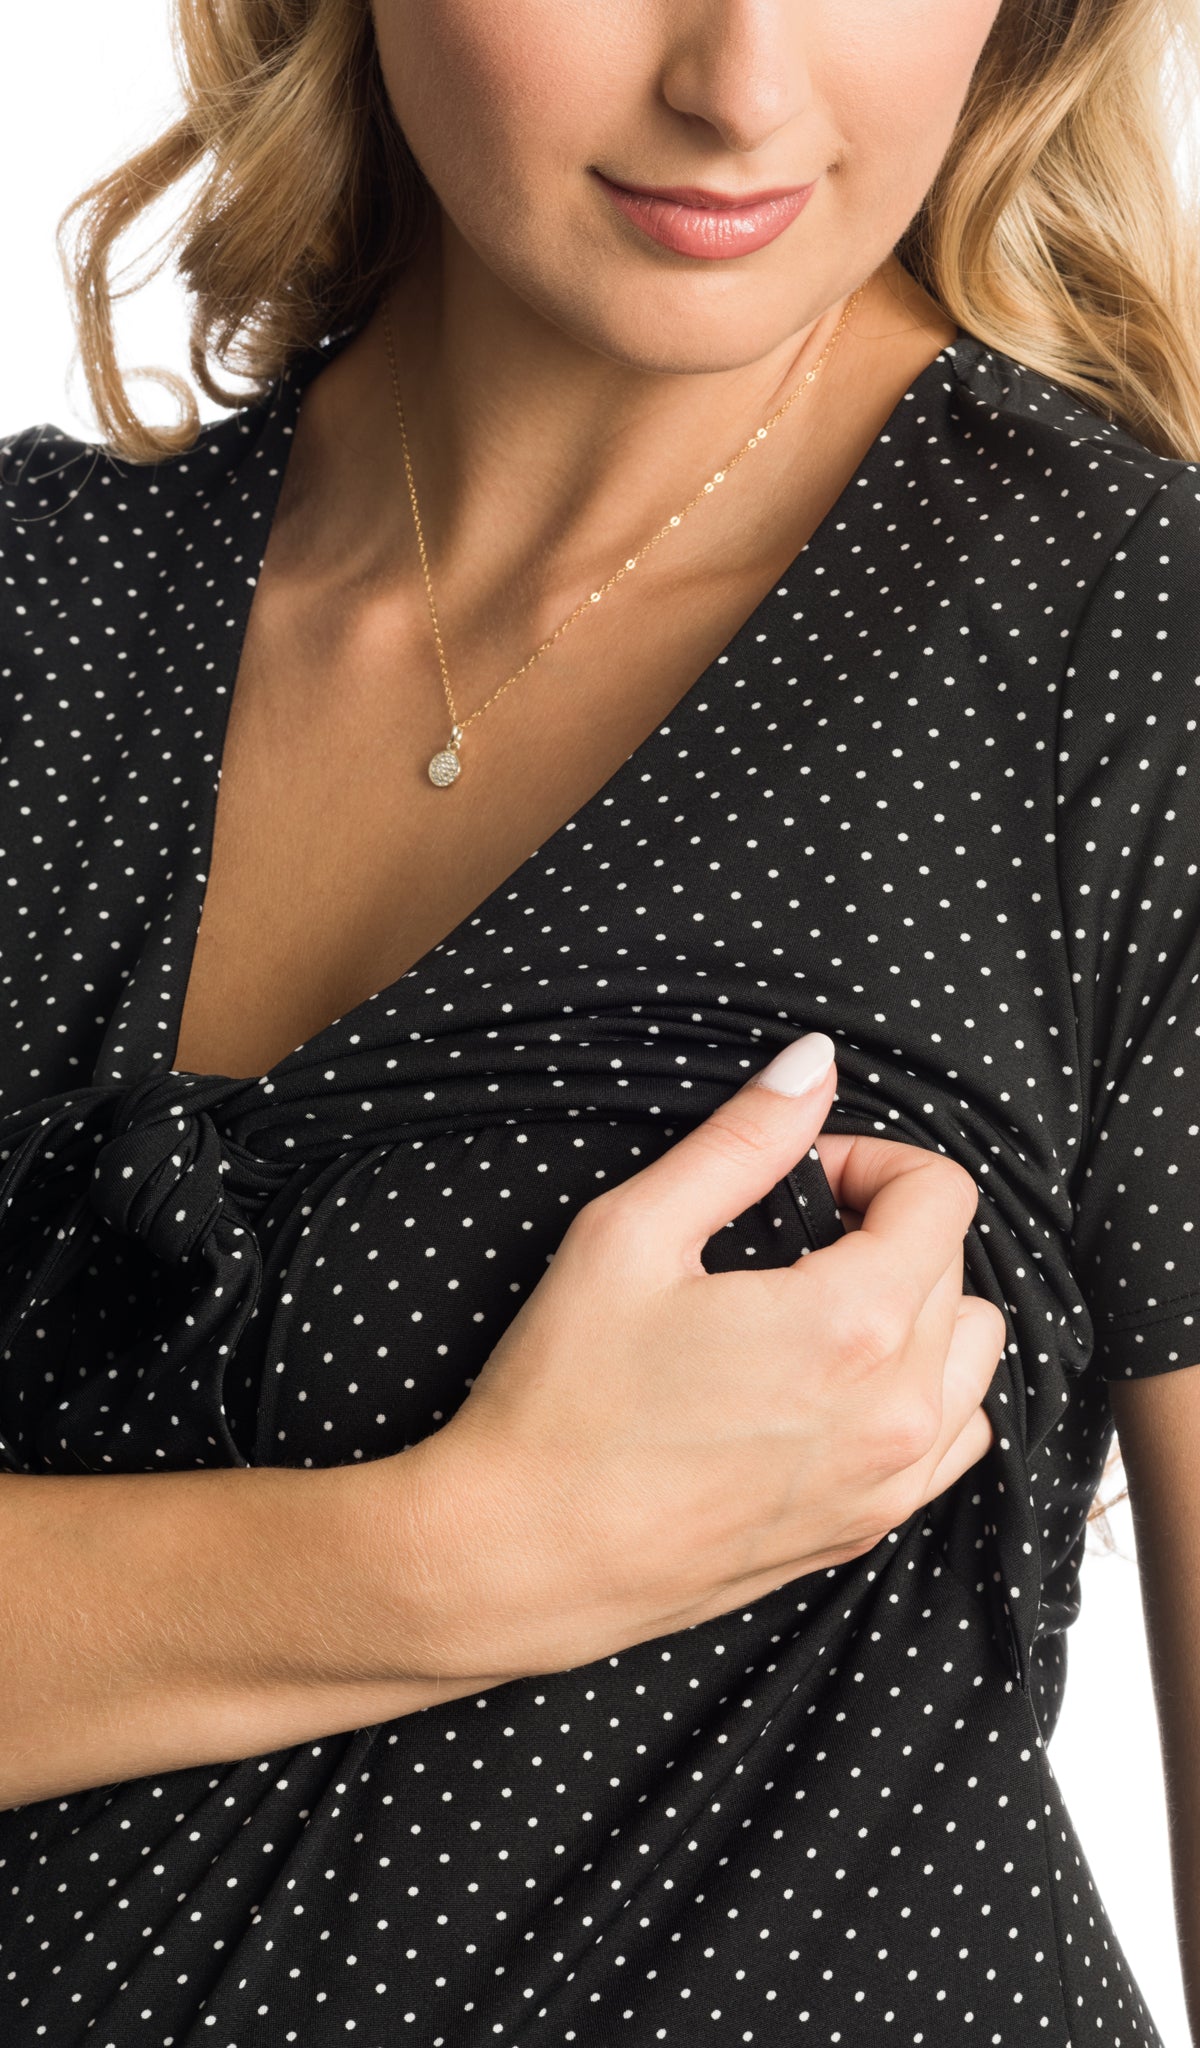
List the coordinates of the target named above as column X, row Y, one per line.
column 445, row 766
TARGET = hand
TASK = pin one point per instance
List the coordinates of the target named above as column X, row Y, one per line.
column 650, row 1444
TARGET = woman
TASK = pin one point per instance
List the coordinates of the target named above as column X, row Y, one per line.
column 680, row 1657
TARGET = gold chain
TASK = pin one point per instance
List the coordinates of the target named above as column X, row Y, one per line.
column 445, row 765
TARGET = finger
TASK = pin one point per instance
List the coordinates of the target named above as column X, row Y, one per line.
column 916, row 1208
column 934, row 1323
column 976, row 1349
column 736, row 1156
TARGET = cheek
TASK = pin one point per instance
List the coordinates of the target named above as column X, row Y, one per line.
column 492, row 98
column 897, row 76
column 506, row 102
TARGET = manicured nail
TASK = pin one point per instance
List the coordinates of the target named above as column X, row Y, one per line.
column 800, row 1066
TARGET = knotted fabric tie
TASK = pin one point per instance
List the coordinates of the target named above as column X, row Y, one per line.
column 158, row 1177
column 149, row 1162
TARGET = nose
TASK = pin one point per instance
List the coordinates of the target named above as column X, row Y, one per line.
column 742, row 67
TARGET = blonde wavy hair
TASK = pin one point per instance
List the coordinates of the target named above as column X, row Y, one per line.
column 1058, row 228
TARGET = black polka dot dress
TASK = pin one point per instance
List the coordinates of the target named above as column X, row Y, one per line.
column 939, row 797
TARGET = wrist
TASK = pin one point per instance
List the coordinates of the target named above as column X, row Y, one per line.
column 505, row 1574
column 435, row 1577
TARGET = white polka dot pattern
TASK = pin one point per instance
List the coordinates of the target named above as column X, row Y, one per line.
column 940, row 796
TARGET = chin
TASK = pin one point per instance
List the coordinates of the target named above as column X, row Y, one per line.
column 697, row 325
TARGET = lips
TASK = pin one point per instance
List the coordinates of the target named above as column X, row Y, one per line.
column 694, row 222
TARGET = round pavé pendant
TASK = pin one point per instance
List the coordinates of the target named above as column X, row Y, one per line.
column 445, row 765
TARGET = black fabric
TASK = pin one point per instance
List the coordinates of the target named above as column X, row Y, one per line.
column 940, row 797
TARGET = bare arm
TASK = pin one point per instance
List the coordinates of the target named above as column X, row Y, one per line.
column 1158, row 1427
column 563, row 1513
column 151, row 1622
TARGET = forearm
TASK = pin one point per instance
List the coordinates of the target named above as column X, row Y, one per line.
column 1185, row 1866
column 151, row 1622
column 1156, row 1420
column 1175, row 1661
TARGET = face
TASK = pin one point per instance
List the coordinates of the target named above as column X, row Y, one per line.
column 518, row 114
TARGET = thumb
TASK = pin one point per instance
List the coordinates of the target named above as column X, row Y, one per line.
column 737, row 1154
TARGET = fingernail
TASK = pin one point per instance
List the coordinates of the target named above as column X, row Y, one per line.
column 800, row 1065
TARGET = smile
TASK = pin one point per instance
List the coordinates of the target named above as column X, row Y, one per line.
column 694, row 223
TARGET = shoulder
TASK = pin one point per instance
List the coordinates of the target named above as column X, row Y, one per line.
column 38, row 466
column 107, row 565
column 117, row 576
column 1058, row 465
column 1129, row 732
column 56, row 488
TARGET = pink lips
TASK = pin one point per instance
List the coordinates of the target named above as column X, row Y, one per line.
column 694, row 223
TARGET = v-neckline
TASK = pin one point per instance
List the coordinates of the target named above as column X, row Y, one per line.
column 278, row 412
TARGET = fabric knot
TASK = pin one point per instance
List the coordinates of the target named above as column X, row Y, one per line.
column 151, row 1162
column 158, row 1177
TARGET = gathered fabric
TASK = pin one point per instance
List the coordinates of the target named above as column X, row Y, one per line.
column 939, row 797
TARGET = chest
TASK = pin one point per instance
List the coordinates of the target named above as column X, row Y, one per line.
column 336, row 863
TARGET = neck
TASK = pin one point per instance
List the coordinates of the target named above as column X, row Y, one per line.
column 539, row 463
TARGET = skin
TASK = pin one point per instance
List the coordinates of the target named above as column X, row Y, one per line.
column 568, row 384
column 646, row 365
column 575, row 382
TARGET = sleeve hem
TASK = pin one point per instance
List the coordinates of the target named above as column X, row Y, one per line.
column 1163, row 1342
column 1170, row 1310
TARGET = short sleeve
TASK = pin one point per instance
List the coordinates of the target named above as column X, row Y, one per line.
column 1128, row 851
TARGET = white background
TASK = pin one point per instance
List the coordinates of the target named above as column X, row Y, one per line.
column 86, row 83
